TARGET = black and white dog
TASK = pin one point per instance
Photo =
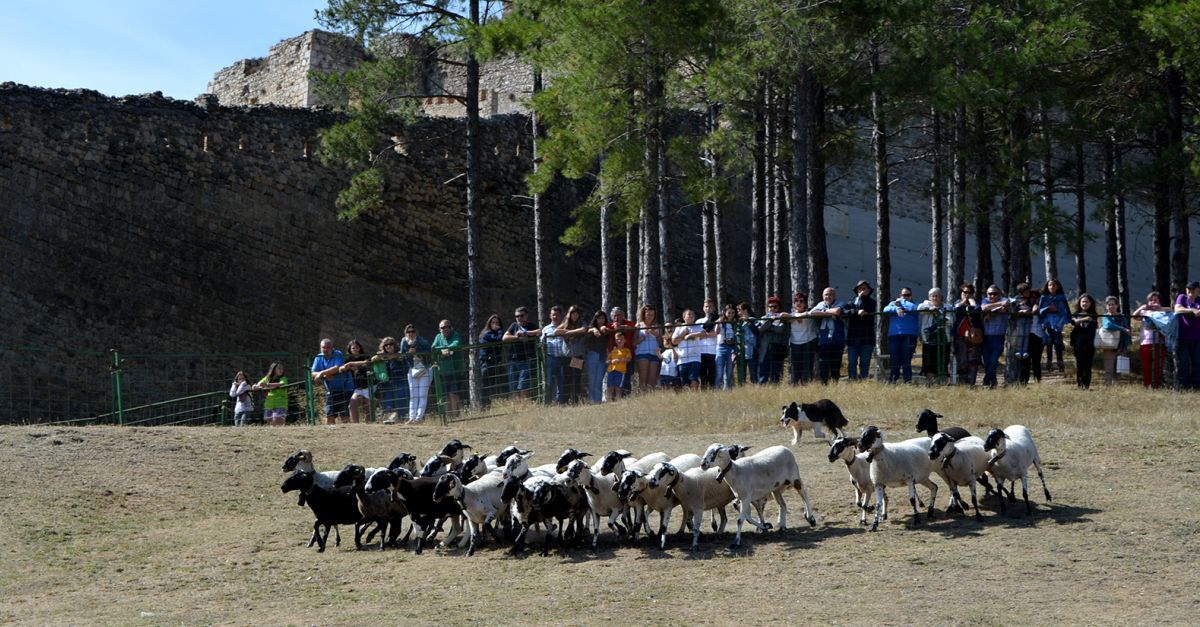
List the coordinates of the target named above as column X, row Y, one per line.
column 806, row 416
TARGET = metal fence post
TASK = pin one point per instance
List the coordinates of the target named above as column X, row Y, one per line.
column 540, row 359
column 440, row 391
column 224, row 410
column 116, row 383
column 309, row 395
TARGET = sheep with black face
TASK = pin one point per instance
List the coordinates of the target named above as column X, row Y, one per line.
column 905, row 463
column 766, row 473
column 602, row 497
column 379, row 506
column 962, row 461
column 859, row 470
column 492, row 462
column 1013, row 451
column 811, row 416
column 927, row 423
column 696, row 491
column 481, row 500
column 330, row 507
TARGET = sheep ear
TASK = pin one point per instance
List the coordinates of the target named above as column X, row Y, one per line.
column 743, row 449
column 1005, row 435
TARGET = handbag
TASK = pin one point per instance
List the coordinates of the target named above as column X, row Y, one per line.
column 418, row 369
column 576, row 363
column 1107, row 339
column 970, row 334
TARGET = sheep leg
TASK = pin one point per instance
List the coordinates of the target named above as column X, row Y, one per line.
column 1025, row 492
column 325, row 539
column 860, row 501
column 697, row 519
column 778, row 494
column 933, row 490
column 743, row 514
column 1037, row 463
column 975, row 502
column 664, row 522
column 912, row 499
column 798, row 484
column 724, row 520
column 762, row 524
column 519, row 542
column 987, row 485
column 471, row 538
column 552, row 532
column 316, row 535
column 878, row 507
column 337, row 535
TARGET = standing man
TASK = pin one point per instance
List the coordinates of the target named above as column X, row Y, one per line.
column 708, row 344
column 557, row 357
column 327, row 367
column 803, row 344
column 629, row 330
column 902, row 335
column 831, row 335
column 522, row 333
column 1187, row 350
column 995, row 326
column 451, row 362
column 860, row 331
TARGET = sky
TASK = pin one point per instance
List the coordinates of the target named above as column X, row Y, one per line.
column 120, row 47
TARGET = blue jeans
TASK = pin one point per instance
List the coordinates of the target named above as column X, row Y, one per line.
column 1187, row 354
column 519, row 375
column 1054, row 341
column 595, row 367
column 725, row 353
column 393, row 395
column 556, row 388
column 859, row 356
column 993, row 347
column 901, row 348
column 802, row 362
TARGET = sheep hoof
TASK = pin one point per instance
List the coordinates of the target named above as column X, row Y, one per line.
column 916, row 521
column 874, row 526
column 812, row 520
column 735, row 546
column 767, row 526
column 978, row 517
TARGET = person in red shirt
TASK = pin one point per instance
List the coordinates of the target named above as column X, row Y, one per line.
column 619, row 321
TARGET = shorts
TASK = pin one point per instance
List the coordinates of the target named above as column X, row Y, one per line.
column 278, row 412
column 615, row 379
column 518, row 375
column 689, row 372
column 648, row 357
column 337, row 403
column 361, row 393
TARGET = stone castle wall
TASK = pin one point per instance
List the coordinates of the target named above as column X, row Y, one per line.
column 154, row 225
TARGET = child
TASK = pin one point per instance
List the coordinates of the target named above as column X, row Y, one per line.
column 668, row 369
column 618, row 363
column 245, row 401
column 275, row 407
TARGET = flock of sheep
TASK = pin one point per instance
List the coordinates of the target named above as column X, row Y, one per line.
column 502, row 496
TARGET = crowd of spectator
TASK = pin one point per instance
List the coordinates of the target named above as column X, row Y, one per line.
column 600, row 358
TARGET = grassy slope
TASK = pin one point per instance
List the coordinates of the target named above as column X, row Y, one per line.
column 187, row 525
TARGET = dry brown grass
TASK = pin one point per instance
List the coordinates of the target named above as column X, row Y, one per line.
column 187, row 525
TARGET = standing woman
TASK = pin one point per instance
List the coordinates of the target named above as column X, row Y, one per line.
column 1037, row 340
column 416, row 357
column 647, row 354
column 491, row 359
column 968, row 335
column 595, row 343
column 275, row 407
column 240, row 390
column 573, row 331
column 935, row 335
column 1153, row 346
column 1083, row 339
column 726, row 347
column 1053, row 305
column 360, row 398
column 450, row 363
column 1114, row 328
column 393, row 393
column 749, row 341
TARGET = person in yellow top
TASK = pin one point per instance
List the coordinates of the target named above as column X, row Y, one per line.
column 275, row 408
column 618, row 363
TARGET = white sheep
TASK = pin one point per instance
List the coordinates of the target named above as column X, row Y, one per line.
column 768, row 472
column 480, row 500
column 492, row 462
column 602, row 498
column 859, row 470
column 637, row 494
column 696, row 490
column 617, row 462
column 905, row 463
column 1013, row 451
column 962, row 461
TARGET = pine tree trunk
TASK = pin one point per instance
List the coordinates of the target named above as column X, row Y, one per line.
column 666, row 273
column 1047, row 211
column 631, row 268
column 818, row 252
column 883, row 208
column 1162, row 222
column 606, row 257
column 473, row 217
column 984, row 275
column 770, row 132
column 1118, row 201
column 783, row 174
column 758, row 209
column 706, row 242
column 718, row 230
column 797, row 187
column 539, row 238
column 1110, row 220
column 937, row 207
column 1175, row 182
column 1080, row 218
column 956, row 265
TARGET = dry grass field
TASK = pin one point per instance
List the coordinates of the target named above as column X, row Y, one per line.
column 188, row 526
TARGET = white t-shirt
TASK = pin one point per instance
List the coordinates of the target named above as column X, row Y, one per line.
column 687, row 351
column 804, row 330
column 668, row 367
column 708, row 345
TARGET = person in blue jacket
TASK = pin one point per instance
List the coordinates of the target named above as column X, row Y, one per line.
column 1054, row 312
column 328, row 367
column 902, row 334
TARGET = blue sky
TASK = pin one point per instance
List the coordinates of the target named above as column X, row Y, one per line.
column 121, row 47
